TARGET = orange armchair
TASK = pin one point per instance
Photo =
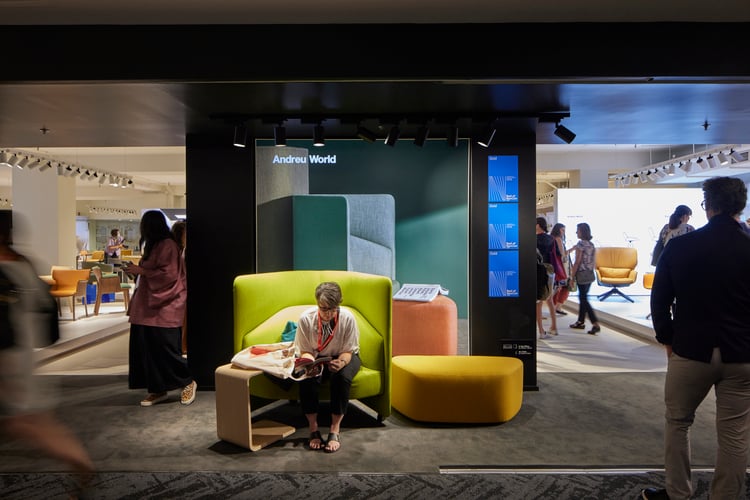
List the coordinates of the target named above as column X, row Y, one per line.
column 615, row 268
column 70, row 283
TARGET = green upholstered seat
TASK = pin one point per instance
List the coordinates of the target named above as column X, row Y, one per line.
column 264, row 302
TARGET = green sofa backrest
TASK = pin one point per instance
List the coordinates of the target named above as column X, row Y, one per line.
column 258, row 297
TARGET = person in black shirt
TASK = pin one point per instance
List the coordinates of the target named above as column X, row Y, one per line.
column 546, row 245
column 700, row 308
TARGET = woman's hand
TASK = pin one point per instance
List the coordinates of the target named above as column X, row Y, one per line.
column 131, row 268
column 337, row 364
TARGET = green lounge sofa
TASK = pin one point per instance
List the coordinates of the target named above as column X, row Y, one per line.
column 265, row 302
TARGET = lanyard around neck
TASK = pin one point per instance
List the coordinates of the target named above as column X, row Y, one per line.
column 321, row 344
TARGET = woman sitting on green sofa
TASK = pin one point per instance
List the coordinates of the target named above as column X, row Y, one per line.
column 323, row 331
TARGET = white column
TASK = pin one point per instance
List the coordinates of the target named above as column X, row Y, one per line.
column 44, row 217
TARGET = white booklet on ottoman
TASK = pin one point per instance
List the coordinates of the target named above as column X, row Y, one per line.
column 419, row 293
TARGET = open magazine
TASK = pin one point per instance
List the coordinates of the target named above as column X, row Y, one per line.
column 419, row 293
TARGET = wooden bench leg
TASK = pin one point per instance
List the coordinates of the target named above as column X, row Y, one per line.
column 233, row 419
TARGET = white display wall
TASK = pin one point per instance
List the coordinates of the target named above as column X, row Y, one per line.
column 625, row 217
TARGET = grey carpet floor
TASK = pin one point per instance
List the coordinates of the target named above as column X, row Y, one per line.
column 573, row 420
column 271, row 486
column 569, row 431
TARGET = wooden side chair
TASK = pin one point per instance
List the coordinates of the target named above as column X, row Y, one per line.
column 70, row 283
column 109, row 283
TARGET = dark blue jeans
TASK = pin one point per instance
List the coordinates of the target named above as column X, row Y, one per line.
column 584, row 306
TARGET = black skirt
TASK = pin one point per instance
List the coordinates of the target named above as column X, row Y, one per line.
column 156, row 361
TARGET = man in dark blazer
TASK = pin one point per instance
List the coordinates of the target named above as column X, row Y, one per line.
column 700, row 308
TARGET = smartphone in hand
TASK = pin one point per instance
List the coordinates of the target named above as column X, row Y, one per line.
column 125, row 264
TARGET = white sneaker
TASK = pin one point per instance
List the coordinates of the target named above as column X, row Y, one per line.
column 544, row 335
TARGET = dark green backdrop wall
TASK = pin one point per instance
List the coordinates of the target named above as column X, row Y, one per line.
column 430, row 186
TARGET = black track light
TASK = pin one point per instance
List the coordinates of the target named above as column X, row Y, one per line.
column 240, row 135
column 366, row 134
column 486, row 139
column 452, row 136
column 423, row 133
column 279, row 135
column 392, row 136
column 564, row 133
column 319, row 136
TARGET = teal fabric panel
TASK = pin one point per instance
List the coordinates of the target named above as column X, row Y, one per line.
column 321, row 232
column 433, row 249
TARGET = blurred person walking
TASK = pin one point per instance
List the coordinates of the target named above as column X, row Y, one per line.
column 28, row 319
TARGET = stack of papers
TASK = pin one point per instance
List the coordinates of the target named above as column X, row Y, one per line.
column 419, row 293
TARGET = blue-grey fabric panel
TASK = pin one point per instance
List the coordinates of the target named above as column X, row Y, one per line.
column 368, row 257
column 372, row 217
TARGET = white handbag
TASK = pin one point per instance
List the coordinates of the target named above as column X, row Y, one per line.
column 275, row 359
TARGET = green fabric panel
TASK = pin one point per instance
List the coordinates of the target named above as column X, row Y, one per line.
column 321, row 232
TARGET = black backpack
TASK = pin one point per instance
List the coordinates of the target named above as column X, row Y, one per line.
column 545, row 278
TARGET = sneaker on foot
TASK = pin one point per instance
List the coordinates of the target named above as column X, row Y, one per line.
column 544, row 335
column 152, row 399
column 654, row 494
column 552, row 332
column 188, row 393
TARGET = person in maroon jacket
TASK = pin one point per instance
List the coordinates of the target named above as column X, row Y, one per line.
column 700, row 308
column 156, row 312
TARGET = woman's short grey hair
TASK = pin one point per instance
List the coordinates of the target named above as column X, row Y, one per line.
column 328, row 294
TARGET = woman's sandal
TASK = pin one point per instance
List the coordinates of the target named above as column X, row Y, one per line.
column 333, row 436
column 320, row 444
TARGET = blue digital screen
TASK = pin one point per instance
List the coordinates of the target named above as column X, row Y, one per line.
column 503, row 178
column 503, row 273
column 503, row 226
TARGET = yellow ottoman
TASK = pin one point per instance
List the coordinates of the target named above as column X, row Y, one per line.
column 457, row 389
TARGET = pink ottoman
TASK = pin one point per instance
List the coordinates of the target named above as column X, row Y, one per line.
column 425, row 327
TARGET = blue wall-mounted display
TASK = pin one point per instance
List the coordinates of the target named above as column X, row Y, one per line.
column 502, row 222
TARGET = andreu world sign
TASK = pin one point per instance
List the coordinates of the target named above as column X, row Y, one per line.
column 311, row 159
